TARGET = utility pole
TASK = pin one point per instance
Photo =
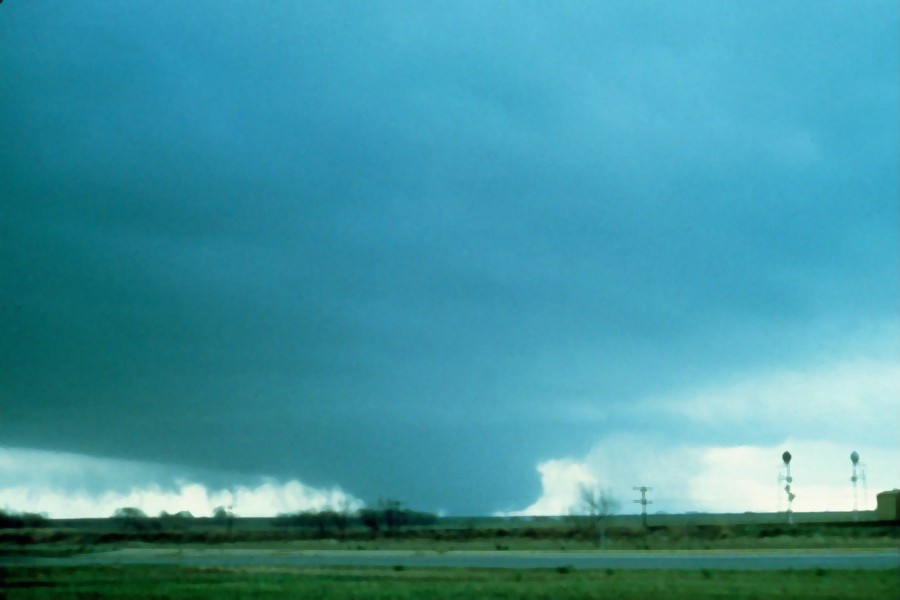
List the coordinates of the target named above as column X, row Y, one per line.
column 643, row 502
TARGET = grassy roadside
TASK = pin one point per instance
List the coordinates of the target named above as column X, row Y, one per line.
column 63, row 542
column 341, row 583
column 439, row 547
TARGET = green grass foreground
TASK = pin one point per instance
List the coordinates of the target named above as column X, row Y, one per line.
column 398, row 583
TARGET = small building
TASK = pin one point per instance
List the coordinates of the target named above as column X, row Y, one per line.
column 888, row 506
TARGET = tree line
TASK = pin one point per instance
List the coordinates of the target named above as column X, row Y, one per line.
column 23, row 520
column 388, row 517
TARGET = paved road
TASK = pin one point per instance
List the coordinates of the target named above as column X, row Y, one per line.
column 737, row 560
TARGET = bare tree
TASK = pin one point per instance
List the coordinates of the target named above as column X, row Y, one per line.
column 224, row 514
column 596, row 505
column 393, row 513
column 341, row 516
column 129, row 512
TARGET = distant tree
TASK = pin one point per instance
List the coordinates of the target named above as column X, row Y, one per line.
column 340, row 516
column 371, row 519
column 596, row 505
column 321, row 520
column 393, row 515
column 415, row 517
column 130, row 517
column 283, row 520
column 225, row 515
column 129, row 512
column 179, row 520
column 390, row 516
column 26, row 520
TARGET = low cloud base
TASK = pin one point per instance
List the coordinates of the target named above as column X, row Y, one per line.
column 77, row 486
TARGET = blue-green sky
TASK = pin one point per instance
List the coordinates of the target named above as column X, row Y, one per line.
column 417, row 249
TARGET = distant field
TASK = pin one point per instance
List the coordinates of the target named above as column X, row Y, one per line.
column 346, row 583
column 565, row 538
column 676, row 532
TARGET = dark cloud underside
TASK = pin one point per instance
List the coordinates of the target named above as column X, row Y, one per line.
column 403, row 248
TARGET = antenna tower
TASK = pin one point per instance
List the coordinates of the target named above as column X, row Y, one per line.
column 643, row 502
column 786, row 459
column 859, row 474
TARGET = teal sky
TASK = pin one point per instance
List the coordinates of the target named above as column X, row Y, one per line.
column 415, row 249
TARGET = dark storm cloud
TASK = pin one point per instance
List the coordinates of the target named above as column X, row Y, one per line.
column 400, row 247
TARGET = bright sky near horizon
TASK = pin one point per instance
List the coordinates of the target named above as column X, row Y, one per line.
column 468, row 255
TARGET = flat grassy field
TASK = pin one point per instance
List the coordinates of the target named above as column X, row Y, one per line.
column 66, row 548
column 345, row 583
column 50, row 541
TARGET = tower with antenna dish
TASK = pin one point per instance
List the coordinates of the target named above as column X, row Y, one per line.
column 788, row 480
column 859, row 474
